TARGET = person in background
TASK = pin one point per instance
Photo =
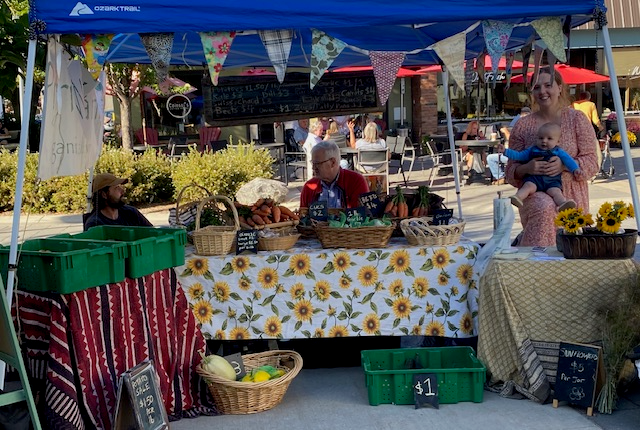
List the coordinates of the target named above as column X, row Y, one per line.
column 301, row 131
column 496, row 161
column 551, row 104
column 586, row 106
column 108, row 204
column 369, row 141
column 471, row 133
column 4, row 134
column 332, row 131
column 340, row 187
column 313, row 138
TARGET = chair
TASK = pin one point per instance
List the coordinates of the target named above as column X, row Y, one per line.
column 178, row 146
column 443, row 159
column 402, row 150
column 374, row 163
column 217, row 145
column 208, row 134
column 147, row 137
column 340, row 140
column 297, row 160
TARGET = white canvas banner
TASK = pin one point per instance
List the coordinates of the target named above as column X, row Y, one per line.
column 72, row 118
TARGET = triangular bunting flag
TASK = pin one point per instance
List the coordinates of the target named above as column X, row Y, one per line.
column 278, row 46
column 451, row 52
column 496, row 37
column 550, row 31
column 566, row 30
column 468, row 77
column 96, row 47
column 509, row 57
column 480, row 66
column 216, row 46
column 537, row 60
column 159, row 47
column 385, row 68
column 324, row 49
column 526, row 54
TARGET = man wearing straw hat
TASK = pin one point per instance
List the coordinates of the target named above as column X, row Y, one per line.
column 108, row 204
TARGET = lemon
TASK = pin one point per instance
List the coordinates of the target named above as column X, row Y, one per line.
column 246, row 378
column 261, row 376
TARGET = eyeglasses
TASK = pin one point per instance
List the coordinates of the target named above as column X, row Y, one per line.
column 319, row 163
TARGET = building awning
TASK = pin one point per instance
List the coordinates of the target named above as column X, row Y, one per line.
column 626, row 62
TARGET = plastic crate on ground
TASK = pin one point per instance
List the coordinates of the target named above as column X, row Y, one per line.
column 65, row 266
column 460, row 374
column 150, row 248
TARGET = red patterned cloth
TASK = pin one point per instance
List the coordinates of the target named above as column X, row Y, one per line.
column 79, row 344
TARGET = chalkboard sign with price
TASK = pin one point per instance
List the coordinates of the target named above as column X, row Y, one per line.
column 425, row 389
column 246, row 241
column 264, row 99
column 319, row 210
column 577, row 375
column 372, row 202
column 442, row 216
column 139, row 404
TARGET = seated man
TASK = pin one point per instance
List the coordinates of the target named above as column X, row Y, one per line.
column 340, row 187
column 108, row 205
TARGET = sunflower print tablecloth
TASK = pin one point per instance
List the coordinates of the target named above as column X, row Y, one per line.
column 310, row 292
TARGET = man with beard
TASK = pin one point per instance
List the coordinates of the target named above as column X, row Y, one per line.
column 108, row 206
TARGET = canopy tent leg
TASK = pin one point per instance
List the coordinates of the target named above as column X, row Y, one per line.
column 622, row 126
column 452, row 145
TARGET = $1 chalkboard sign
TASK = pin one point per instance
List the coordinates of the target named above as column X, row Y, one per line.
column 246, row 241
column 372, row 202
column 319, row 210
column 425, row 390
column 139, row 404
column 579, row 367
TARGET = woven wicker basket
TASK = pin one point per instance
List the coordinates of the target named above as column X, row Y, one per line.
column 232, row 397
column 309, row 231
column 357, row 237
column 279, row 243
column 213, row 239
column 419, row 232
column 187, row 208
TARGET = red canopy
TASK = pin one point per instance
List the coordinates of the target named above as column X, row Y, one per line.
column 402, row 72
column 571, row 75
column 502, row 65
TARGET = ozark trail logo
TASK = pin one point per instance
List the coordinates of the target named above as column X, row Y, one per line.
column 81, row 9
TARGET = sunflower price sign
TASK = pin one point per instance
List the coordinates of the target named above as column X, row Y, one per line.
column 246, row 241
column 425, row 390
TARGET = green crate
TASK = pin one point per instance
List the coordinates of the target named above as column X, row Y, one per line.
column 65, row 266
column 150, row 248
column 460, row 374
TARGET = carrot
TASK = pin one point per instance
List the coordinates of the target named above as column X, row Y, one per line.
column 276, row 213
column 394, row 211
column 259, row 203
column 242, row 219
column 405, row 209
column 267, row 220
column 257, row 219
column 265, row 208
column 250, row 222
column 286, row 211
column 389, row 206
column 415, row 211
column 260, row 212
column 269, row 202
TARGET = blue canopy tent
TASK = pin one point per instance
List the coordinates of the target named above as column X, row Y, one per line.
column 410, row 26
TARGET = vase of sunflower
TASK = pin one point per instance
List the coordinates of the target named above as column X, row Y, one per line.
column 577, row 239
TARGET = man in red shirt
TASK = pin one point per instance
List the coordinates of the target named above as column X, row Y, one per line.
column 340, row 187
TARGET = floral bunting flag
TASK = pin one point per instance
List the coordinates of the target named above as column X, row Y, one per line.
column 324, row 49
column 216, row 46
column 526, row 54
column 480, row 66
column 451, row 52
column 509, row 57
column 278, row 46
column 159, row 47
column 385, row 68
column 496, row 37
column 96, row 47
column 550, row 31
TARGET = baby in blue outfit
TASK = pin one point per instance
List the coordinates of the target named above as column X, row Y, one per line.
column 548, row 138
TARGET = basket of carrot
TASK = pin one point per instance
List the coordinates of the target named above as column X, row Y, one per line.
column 265, row 213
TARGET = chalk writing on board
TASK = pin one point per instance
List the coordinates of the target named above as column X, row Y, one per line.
column 577, row 374
column 246, row 241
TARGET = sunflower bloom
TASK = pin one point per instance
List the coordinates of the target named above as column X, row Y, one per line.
column 460, row 249
column 322, row 290
column 396, row 288
column 609, row 225
column 240, row 264
column 303, row 310
column 420, row 287
column 297, row 291
column 220, row 335
column 416, row 330
column 300, row 264
column 273, row 326
column 239, row 333
column 443, row 279
column 368, row 276
column 341, row 261
column 428, row 309
column 441, row 258
column 400, row 260
column 203, row 311
column 464, row 273
column 331, row 311
column 257, row 295
column 318, row 333
column 466, row 323
column 196, row 291
column 244, row 284
column 221, row 291
column 198, row 266
column 345, row 282
column 356, row 293
column 231, row 313
column 454, row 291
column 435, row 328
column 402, row 307
column 267, row 277
column 338, row 331
column 371, row 324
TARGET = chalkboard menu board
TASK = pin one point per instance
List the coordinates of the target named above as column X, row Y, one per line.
column 372, row 202
column 263, row 99
column 577, row 375
column 246, row 241
column 139, row 404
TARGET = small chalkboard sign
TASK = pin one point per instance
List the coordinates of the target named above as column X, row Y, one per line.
column 319, row 210
column 356, row 214
column 425, row 390
column 372, row 202
column 139, row 405
column 442, row 216
column 246, row 241
column 237, row 363
column 577, row 376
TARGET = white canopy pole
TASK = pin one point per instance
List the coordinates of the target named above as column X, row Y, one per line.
column 452, row 145
column 622, row 126
column 17, row 204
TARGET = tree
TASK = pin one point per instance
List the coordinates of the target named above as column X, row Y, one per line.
column 127, row 81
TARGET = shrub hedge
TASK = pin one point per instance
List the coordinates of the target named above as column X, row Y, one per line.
column 153, row 178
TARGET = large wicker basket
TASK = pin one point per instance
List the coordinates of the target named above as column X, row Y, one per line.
column 279, row 243
column 309, row 231
column 418, row 231
column 214, row 239
column 187, row 207
column 353, row 237
column 233, row 397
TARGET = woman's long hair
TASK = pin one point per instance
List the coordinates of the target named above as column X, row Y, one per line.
column 564, row 99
